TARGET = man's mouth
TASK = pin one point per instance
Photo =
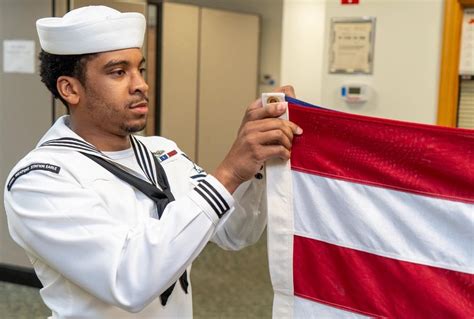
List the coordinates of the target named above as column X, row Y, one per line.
column 140, row 104
column 141, row 107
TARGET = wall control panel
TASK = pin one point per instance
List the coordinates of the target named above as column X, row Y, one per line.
column 354, row 93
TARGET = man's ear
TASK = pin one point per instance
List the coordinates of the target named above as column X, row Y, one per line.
column 69, row 88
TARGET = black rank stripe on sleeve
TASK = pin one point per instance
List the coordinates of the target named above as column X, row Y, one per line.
column 32, row 167
column 199, row 177
column 212, row 197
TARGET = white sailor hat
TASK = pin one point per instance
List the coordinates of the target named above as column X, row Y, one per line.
column 91, row 29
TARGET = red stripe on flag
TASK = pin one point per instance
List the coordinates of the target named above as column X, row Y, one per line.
column 424, row 159
column 378, row 286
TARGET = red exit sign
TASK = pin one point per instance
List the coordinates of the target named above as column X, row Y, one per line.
column 349, row 1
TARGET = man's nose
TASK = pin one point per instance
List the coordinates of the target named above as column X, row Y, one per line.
column 139, row 84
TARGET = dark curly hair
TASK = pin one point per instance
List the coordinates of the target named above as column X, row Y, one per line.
column 52, row 66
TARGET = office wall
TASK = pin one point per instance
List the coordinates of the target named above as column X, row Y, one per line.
column 407, row 50
column 302, row 48
column 25, row 106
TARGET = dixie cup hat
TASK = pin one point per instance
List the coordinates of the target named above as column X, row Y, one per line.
column 91, row 29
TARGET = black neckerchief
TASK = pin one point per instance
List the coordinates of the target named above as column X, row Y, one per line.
column 150, row 166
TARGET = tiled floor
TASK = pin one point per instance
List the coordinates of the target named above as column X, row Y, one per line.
column 231, row 285
column 21, row 302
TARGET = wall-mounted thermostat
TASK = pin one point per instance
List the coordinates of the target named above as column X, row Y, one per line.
column 355, row 93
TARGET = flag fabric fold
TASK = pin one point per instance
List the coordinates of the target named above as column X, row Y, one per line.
column 372, row 218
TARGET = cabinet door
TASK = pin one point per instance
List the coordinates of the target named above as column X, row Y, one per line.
column 179, row 75
column 228, row 61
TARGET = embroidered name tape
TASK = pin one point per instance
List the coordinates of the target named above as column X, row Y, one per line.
column 32, row 167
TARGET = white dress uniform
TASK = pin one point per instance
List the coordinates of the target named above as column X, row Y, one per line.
column 96, row 243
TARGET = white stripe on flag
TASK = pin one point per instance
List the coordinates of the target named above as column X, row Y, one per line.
column 306, row 309
column 414, row 228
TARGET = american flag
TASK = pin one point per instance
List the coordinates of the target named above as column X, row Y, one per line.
column 372, row 218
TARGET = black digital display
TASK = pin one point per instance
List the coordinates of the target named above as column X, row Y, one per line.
column 354, row 90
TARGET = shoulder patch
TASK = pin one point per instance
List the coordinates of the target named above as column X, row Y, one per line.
column 164, row 157
column 158, row 153
column 197, row 169
column 32, row 167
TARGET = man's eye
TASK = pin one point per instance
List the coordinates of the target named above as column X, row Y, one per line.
column 142, row 70
column 118, row 72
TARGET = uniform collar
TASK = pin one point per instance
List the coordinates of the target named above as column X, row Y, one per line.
column 61, row 136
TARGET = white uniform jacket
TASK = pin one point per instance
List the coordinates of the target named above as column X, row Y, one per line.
column 94, row 240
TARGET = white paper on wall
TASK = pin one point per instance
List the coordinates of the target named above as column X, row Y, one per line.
column 466, row 64
column 18, row 56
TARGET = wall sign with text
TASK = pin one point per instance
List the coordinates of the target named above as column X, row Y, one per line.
column 352, row 45
column 466, row 62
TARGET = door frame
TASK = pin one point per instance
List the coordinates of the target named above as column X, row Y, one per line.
column 448, row 97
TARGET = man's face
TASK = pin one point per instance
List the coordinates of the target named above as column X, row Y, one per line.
column 115, row 96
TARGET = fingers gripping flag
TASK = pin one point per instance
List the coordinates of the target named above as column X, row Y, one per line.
column 372, row 218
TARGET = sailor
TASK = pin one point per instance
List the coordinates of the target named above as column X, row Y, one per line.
column 111, row 221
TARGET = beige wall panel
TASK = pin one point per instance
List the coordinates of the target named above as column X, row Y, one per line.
column 150, row 76
column 227, row 82
column 179, row 75
column 271, row 14
column 120, row 5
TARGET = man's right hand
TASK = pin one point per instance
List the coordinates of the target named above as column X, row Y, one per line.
column 262, row 135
